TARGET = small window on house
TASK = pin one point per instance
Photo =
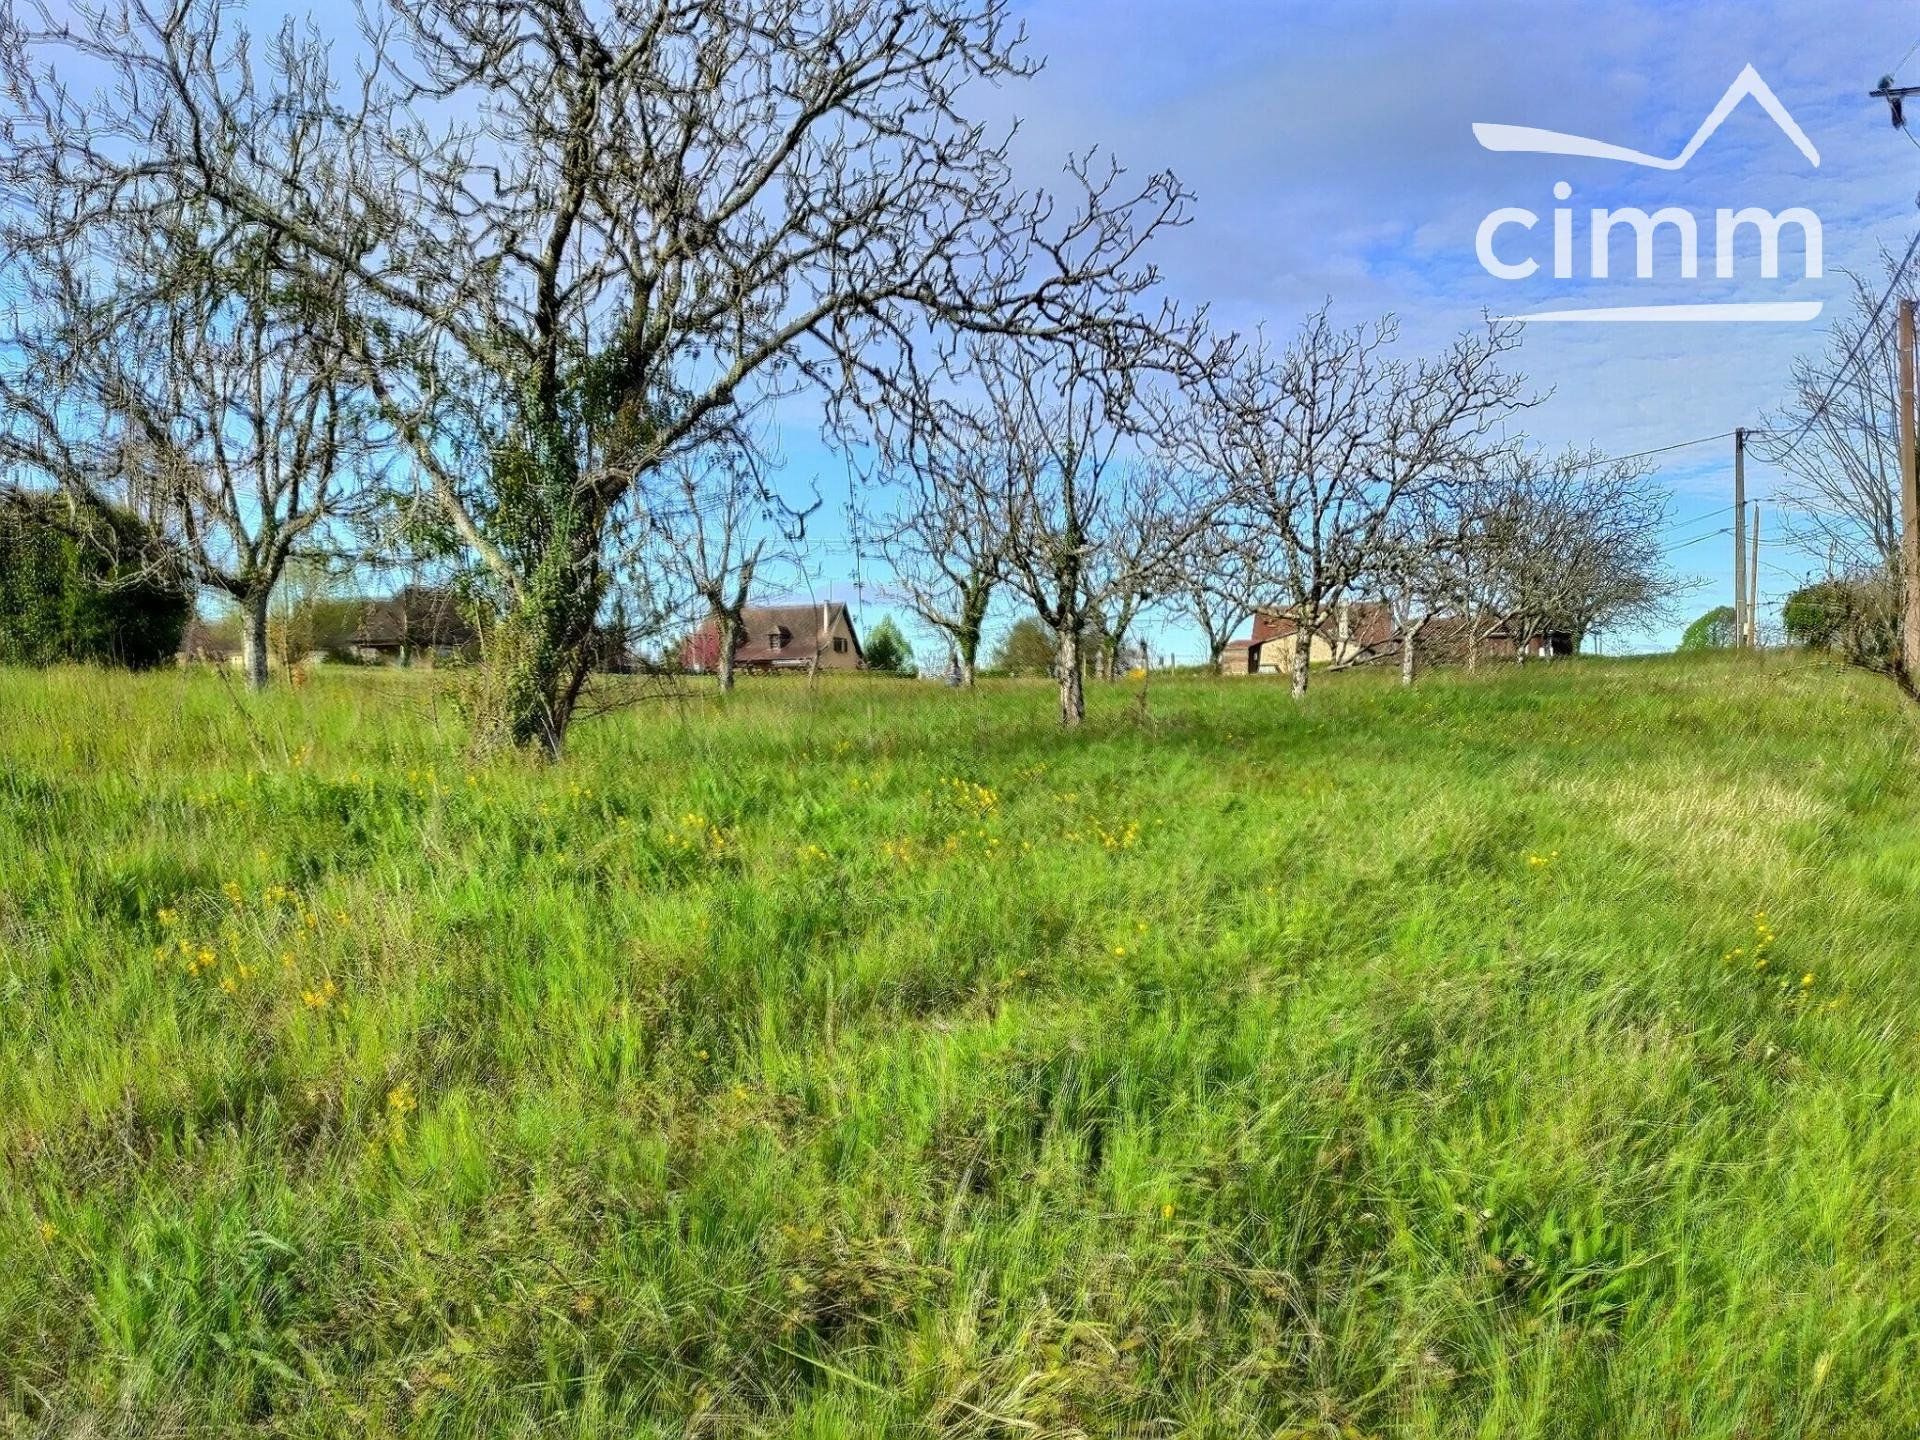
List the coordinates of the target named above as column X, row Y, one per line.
column 777, row 640
column 839, row 644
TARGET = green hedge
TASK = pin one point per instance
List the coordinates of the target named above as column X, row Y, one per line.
column 84, row 588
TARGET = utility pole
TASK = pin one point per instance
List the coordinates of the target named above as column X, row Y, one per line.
column 1753, row 584
column 1909, row 501
column 1739, row 538
column 1896, row 97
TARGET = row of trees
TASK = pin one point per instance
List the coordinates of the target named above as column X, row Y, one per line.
column 520, row 289
column 1302, row 476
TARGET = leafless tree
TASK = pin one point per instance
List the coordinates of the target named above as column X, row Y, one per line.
column 579, row 244
column 716, row 536
column 1157, row 514
column 942, row 540
column 160, row 356
column 1092, row 529
column 1567, row 542
column 1839, row 444
column 1423, row 569
column 1323, row 441
column 1215, row 580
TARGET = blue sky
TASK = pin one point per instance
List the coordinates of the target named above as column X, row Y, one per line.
column 1332, row 151
column 1331, row 148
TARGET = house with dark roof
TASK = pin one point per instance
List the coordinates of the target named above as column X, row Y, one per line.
column 782, row 637
column 419, row 623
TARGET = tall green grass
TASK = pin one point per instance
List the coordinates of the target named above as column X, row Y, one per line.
column 1528, row 1054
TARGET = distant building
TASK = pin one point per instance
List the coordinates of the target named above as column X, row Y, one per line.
column 1443, row 640
column 1363, row 632
column 419, row 624
column 1357, row 631
column 781, row 637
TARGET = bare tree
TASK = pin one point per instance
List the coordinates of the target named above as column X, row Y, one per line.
column 714, row 536
column 1838, row 444
column 1322, row 442
column 1155, row 517
column 158, row 354
column 1215, row 580
column 1422, row 568
column 944, row 544
column 581, row 244
column 1568, row 542
column 1090, row 527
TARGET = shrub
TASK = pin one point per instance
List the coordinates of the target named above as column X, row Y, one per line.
column 887, row 650
column 1026, row 649
column 92, row 586
column 1856, row 616
column 1712, row 631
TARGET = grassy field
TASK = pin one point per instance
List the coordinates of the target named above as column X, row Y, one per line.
column 1531, row 1054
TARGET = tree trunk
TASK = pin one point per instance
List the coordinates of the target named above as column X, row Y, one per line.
column 966, row 671
column 1302, row 658
column 253, row 636
column 543, row 647
column 729, row 642
column 1406, row 654
column 1073, row 695
column 540, row 667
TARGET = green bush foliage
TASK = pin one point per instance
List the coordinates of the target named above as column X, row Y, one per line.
column 84, row 587
column 1712, row 631
column 886, row 649
column 1026, row 649
column 1856, row 616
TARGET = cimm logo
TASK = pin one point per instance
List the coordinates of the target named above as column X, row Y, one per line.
column 1505, row 254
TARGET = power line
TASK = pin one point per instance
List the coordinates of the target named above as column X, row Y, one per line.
column 1903, row 59
column 1853, row 353
column 1662, row 449
column 1701, row 518
column 1712, row 535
